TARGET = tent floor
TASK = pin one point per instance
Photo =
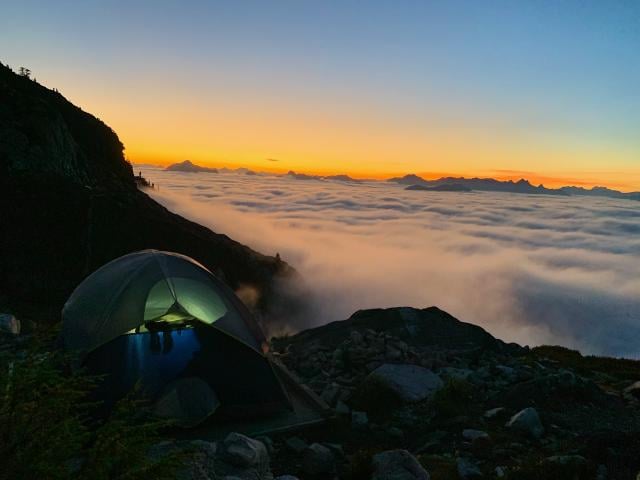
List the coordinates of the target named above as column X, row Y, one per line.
column 308, row 410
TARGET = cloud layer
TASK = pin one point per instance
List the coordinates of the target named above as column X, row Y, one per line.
column 530, row 269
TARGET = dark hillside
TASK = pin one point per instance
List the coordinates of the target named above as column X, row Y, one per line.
column 69, row 204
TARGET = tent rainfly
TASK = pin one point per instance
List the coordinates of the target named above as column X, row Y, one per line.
column 164, row 323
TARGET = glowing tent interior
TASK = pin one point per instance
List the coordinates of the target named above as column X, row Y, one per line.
column 163, row 322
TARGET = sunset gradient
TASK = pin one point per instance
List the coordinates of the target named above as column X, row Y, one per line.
column 548, row 91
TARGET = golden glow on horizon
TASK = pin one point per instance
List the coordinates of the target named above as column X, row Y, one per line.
column 360, row 141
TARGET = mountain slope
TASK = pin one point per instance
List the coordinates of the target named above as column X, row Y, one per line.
column 70, row 204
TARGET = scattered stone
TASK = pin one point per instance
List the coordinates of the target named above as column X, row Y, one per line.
column 527, row 421
column 471, row 435
column 397, row 465
column 318, row 460
column 359, row 420
column 342, row 408
column 242, row 451
column 456, row 373
column 268, row 443
column 296, row 444
column 467, row 469
column 286, row 477
column 410, row 383
column 564, row 460
column 493, row 413
column 500, row 472
column 633, row 390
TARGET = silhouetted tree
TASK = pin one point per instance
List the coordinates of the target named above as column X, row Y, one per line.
column 24, row 72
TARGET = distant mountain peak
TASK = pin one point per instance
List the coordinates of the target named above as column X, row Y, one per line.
column 189, row 166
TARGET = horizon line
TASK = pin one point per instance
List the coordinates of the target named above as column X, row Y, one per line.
column 516, row 175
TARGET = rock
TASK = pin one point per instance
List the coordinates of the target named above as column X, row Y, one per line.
column 494, row 412
column 296, row 444
column 481, row 444
column 467, row 469
column 242, row 451
column 471, row 435
column 568, row 466
column 527, row 421
column 188, row 401
column 395, row 432
column 286, row 477
column 397, row 465
column 356, row 337
column 9, row 324
column 342, row 408
column 500, row 472
column 633, row 390
column 569, row 460
column 330, row 394
column 267, row 442
column 456, row 373
column 359, row 420
column 318, row 460
column 201, row 463
column 409, row 383
column 433, row 441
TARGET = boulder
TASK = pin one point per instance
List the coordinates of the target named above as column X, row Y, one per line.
column 409, row 383
column 633, row 390
column 318, row 460
column 471, row 435
column 244, row 452
column 527, row 421
column 397, row 465
column 296, row 444
column 359, row 420
column 467, row 469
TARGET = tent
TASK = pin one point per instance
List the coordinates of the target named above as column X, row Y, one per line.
column 162, row 322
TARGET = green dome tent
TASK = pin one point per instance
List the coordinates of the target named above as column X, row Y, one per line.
column 163, row 321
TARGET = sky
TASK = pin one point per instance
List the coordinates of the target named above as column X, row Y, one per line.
column 546, row 90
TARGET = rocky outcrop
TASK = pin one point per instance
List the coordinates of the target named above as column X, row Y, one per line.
column 460, row 403
column 75, row 206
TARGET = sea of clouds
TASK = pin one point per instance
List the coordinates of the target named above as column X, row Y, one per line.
column 532, row 269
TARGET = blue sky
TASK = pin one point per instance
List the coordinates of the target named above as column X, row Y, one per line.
column 551, row 87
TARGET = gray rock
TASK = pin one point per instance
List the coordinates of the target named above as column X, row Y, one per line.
column 494, row 412
column 318, row 460
column 576, row 461
column 286, row 477
column 471, row 435
column 330, row 394
column 296, row 444
column 359, row 419
column 356, row 337
column 242, row 451
column 467, row 469
column 342, row 408
column 397, row 465
column 633, row 390
column 410, row 383
column 456, row 373
column 527, row 421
